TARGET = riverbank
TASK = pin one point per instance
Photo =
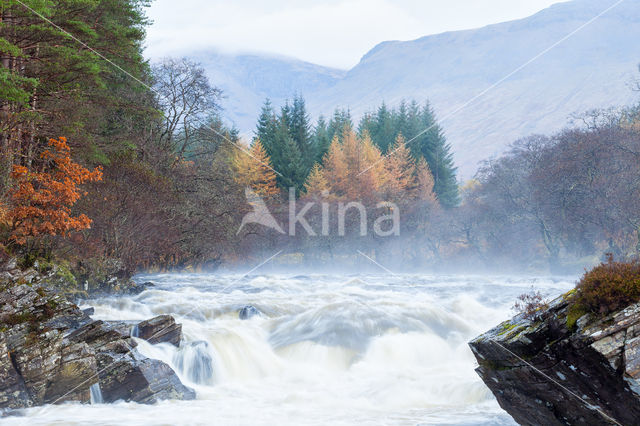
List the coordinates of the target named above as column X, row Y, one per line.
column 52, row 352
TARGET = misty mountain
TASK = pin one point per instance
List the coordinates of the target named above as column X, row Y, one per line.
column 489, row 86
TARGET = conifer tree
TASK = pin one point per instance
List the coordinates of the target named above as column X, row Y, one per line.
column 316, row 184
column 341, row 119
column 401, row 169
column 335, row 167
column 424, row 185
column 253, row 169
column 321, row 140
column 267, row 125
column 300, row 130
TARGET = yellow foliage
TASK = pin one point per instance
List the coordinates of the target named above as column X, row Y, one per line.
column 253, row 169
column 316, row 182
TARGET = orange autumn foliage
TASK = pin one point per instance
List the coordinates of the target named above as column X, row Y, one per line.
column 253, row 169
column 41, row 201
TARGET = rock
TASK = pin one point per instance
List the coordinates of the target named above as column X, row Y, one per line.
column 73, row 378
column 89, row 311
column 248, row 312
column 131, row 377
column 139, row 288
column 52, row 352
column 13, row 392
column 542, row 372
column 162, row 328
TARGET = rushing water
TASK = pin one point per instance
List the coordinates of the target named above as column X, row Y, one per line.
column 328, row 349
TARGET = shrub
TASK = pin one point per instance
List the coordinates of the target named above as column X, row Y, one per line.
column 609, row 287
column 530, row 304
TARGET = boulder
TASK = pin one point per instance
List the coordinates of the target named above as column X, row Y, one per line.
column 132, row 377
column 248, row 312
column 160, row 329
column 52, row 352
column 136, row 289
column 553, row 371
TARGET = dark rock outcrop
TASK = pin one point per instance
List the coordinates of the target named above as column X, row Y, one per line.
column 162, row 328
column 554, row 370
column 52, row 352
column 248, row 312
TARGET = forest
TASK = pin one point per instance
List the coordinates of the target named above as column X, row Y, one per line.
column 111, row 164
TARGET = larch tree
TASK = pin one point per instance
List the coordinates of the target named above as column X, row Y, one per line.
column 253, row 169
column 424, row 184
column 317, row 184
column 401, row 168
column 336, row 169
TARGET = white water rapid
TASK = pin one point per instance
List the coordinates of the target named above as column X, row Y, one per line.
column 326, row 350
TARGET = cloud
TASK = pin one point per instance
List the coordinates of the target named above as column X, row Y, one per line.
column 328, row 32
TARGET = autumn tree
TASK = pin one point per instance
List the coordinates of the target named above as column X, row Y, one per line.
column 253, row 169
column 317, row 184
column 424, row 183
column 42, row 200
column 401, row 169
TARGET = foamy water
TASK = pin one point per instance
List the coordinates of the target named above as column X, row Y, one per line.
column 328, row 349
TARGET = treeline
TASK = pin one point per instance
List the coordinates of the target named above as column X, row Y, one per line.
column 568, row 198
column 149, row 177
column 166, row 196
column 294, row 145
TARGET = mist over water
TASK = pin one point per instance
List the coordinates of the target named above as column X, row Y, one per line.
column 327, row 349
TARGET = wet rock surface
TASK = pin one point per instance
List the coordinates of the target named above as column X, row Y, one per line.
column 160, row 329
column 53, row 352
column 549, row 371
column 248, row 312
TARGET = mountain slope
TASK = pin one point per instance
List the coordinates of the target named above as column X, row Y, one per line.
column 475, row 79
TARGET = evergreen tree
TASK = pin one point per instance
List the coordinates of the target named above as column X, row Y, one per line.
column 288, row 160
column 384, row 130
column 321, row 139
column 267, row 125
column 341, row 119
column 431, row 144
column 300, row 131
column 425, row 139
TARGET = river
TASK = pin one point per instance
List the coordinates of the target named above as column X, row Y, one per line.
column 327, row 349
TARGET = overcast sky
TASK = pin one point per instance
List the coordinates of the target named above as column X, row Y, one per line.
column 328, row 32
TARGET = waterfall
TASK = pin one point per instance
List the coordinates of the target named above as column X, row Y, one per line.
column 194, row 360
column 96, row 394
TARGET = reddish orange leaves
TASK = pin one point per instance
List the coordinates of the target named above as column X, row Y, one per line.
column 42, row 200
